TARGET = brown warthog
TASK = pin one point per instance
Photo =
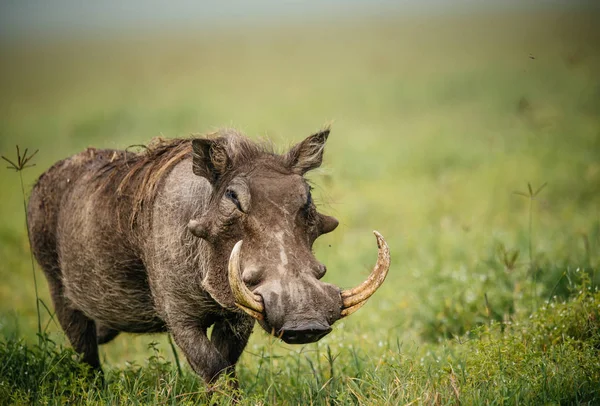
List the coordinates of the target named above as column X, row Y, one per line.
column 152, row 241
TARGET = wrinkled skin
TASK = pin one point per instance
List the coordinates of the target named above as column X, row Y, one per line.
column 140, row 243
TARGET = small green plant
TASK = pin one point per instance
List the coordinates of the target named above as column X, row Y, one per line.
column 24, row 162
column 508, row 257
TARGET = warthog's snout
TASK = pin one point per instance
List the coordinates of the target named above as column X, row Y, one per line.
column 303, row 310
column 304, row 333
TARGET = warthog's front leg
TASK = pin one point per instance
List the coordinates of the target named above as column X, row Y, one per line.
column 202, row 355
column 230, row 337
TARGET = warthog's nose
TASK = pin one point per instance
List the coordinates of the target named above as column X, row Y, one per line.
column 304, row 333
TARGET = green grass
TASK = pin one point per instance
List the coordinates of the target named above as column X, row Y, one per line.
column 551, row 356
column 437, row 122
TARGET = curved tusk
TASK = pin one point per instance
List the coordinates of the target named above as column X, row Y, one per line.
column 243, row 297
column 353, row 299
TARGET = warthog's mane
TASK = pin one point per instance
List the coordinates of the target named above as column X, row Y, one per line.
column 133, row 177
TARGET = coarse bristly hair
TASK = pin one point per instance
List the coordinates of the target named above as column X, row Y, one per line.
column 135, row 177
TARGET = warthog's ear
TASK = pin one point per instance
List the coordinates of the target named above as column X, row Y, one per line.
column 307, row 154
column 210, row 158
column 201, row 227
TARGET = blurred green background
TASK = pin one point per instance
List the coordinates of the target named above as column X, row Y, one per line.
column 439, row 116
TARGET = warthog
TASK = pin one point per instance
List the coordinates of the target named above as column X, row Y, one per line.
column 191, row 233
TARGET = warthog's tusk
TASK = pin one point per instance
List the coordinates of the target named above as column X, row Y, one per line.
column 244, row 298
column 353, row 299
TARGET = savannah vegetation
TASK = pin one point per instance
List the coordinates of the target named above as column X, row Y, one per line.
column 471, row 143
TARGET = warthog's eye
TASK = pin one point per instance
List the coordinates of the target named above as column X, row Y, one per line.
column 308, row 210
column 309, row 200
column 232, row 195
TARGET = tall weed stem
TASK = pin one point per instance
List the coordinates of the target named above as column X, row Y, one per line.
column 21, row 164
column 531, row 195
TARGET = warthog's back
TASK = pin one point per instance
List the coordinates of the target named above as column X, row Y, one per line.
column 45, row 203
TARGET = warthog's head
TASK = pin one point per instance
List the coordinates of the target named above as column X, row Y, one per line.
column 261, row 223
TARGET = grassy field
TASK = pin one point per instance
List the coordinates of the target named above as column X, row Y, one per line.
column 437, row 122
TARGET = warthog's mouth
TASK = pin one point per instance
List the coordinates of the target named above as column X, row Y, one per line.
column 351, row 299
